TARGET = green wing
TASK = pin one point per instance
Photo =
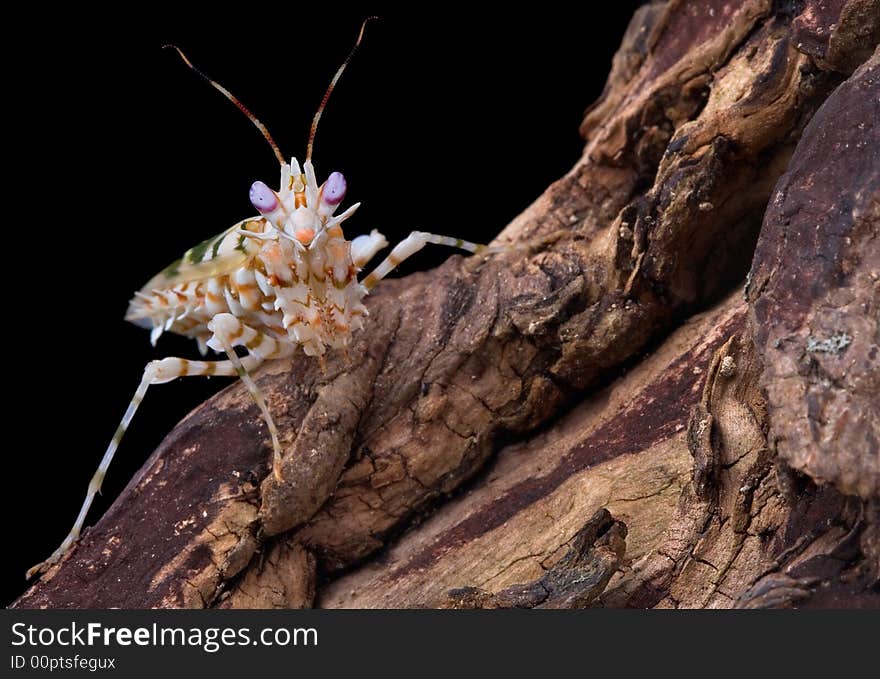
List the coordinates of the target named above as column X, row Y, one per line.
column 214, row 256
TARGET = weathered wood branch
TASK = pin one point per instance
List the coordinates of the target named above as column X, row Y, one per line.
column 730, row 471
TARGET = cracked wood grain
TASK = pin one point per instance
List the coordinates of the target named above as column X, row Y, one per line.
column 658, row 219
column 624, row 449
column 573, row 581
column 736, row 541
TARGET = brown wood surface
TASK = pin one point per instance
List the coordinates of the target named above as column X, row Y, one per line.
column 596, row 416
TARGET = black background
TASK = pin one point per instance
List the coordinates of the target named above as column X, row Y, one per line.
column 449, row 120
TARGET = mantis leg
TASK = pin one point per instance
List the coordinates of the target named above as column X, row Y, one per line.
column 156, row 372
column 410, row 246
column 229, row 333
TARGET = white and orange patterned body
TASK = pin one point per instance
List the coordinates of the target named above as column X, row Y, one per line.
column 290, row 275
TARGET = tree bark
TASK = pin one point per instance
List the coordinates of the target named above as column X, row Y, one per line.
column 598, row 416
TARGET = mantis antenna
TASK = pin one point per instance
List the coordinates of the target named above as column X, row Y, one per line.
column 244, row 109
column 329, row 91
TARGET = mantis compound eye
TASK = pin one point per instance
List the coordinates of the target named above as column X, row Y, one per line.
column 334, row 190
column 263, row 198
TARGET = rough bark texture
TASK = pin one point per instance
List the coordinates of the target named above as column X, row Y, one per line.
column 735, row 465
column 814, row 292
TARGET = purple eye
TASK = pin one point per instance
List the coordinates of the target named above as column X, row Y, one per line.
column 263, row 198
column 334, row 189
